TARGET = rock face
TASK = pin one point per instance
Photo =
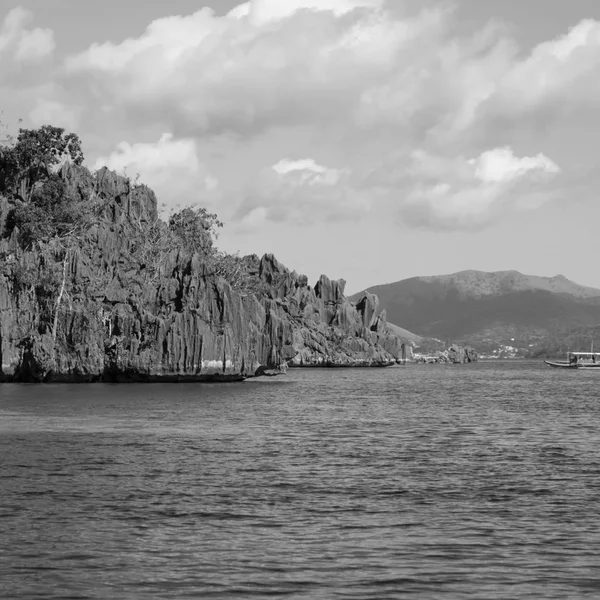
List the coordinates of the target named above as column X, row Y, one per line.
column 455, row 354
column 328, row 330
column 116, row 322
column 461, row 354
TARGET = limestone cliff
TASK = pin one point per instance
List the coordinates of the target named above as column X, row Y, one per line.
column 328, row 330
column 96, row 312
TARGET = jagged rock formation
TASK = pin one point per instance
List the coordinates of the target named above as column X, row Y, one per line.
column 112, row 319
column 328, row 330
column 461, row 354
column 455, row 354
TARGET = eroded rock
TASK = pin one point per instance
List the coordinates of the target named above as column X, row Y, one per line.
column 117, row 323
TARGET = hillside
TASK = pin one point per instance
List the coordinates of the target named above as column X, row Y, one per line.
column 475, row 284
column 489, row 310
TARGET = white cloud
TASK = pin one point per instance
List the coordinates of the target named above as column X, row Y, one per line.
column 170, row 167
column 427, row 190
column 563, row 71
column 26, row 69
column 203, row 73
column 580, row 36
column 303, row 192
column 262, row 12
column 459, row 193
column 239, row 12
column 21, row 44
column 166, row 40
column 501, row 166
column 270, row 63
column 306, row 172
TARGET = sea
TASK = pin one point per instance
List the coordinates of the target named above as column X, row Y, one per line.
column 416, row 481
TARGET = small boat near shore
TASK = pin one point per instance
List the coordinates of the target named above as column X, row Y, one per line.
column 578, row 360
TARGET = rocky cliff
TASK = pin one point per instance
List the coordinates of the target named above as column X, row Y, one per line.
column 328, row 330
column 95, row 311
column 461, row 354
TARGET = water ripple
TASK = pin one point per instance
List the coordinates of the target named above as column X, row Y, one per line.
column 415, row 482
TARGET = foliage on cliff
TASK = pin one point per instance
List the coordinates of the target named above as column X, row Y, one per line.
column 31, row 158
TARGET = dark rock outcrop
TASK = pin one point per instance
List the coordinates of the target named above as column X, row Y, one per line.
column 461, row 354
column 455, row 354
column 117, row 322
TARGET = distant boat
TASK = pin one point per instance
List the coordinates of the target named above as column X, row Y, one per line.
column 578, row 360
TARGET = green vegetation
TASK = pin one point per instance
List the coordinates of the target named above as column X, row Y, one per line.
column 53, row 212
column 558, row 343
column 31, row 158
column 194, row 229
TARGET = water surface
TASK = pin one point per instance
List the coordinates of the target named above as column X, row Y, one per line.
column 422, row 481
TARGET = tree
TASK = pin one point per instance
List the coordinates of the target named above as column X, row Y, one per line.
column 191, row 230
column 30, row 158
column 195, row 229
column 54, row 212
column 9, row 167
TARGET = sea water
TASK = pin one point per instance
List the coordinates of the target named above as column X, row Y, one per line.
column 421, row 481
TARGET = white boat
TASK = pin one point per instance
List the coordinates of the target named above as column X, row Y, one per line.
column 578, row 360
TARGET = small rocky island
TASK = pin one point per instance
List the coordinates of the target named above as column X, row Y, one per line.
column 94, row 286
column 455, row 354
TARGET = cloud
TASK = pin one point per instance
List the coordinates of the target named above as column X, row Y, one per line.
column 500, row 166
column 352, row 63
column 26, row 67
column 427, row 191
column 306, row 172
column 358, row 85
column 170, row 167
column 209, row 74
column 469, row 194
column 558, row 70
column 303, row 192
column 22, row 45
column 261, row 12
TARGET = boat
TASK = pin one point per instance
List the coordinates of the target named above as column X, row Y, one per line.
column 578, row 360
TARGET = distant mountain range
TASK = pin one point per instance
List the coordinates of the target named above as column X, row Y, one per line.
column 505, row 309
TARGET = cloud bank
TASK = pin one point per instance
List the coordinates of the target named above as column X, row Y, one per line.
column 359, row 107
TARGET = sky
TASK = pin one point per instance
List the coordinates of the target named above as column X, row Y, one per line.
column 369, row 140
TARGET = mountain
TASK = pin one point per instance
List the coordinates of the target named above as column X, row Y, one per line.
column 488, row 310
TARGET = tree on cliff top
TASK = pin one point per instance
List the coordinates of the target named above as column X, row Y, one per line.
column 29, row 159
column 195, row 229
